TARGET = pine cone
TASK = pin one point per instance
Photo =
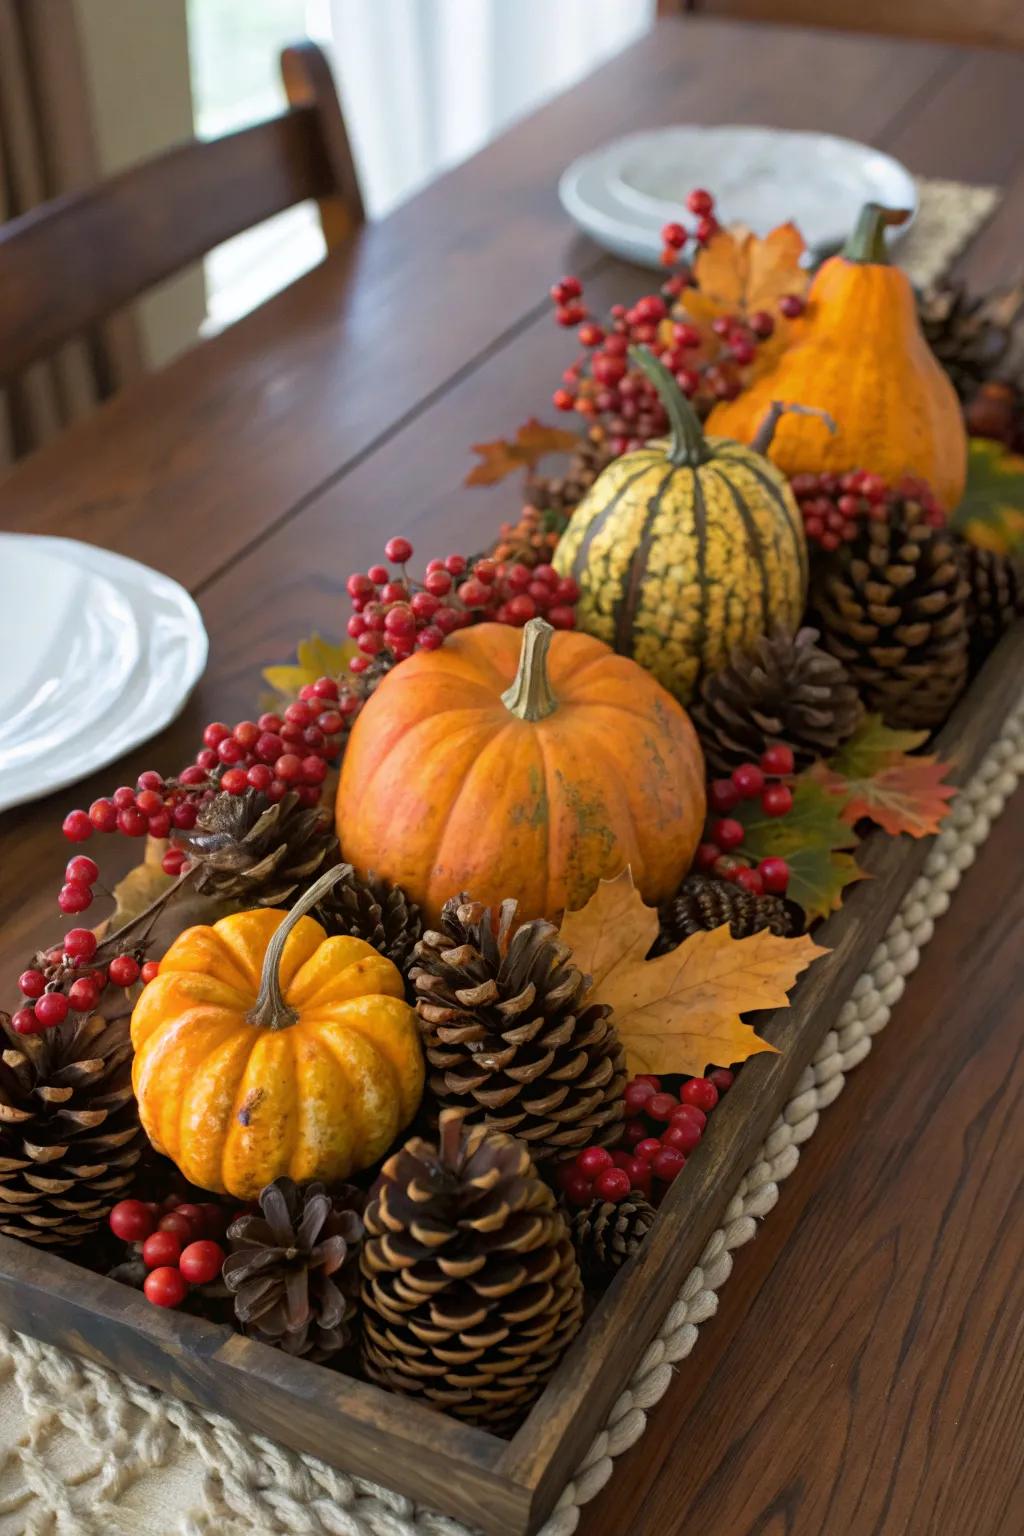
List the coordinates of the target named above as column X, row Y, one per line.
column 293, row 1269
column 562, row 493
column 471, row 1290
column 995, row 596
column 605, row 1235
column 508, row 1036
column 374, row 910
column 788, row 690
column 255, row 852
column 69, row 1129
column 894, row 611
column 971, row 337
column 703, row 903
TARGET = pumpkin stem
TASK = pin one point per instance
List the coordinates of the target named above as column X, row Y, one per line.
column 688, row 446
column 271, row 1011
column 867, row 243
column 530, row 696
column 762, row 439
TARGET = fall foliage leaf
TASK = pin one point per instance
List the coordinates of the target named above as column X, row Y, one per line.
column 991, row 514
column 738, row 273
column 874, row 777
column 531, row 443
column 813, row 839
column 680, row 1012
column 317, row 657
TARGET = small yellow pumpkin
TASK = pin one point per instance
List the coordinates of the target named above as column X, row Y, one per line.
column 264, row 1048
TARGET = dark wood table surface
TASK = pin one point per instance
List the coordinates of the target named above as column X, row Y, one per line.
column 865, row 1371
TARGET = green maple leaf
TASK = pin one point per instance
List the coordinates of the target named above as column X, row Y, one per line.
column 991, row 513
column 813, row 839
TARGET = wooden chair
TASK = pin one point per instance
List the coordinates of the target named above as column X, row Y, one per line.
column 977, row 23
column 69, row 263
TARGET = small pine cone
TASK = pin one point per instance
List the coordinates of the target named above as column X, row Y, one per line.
column 471, row 1290
column 703, row 903
column 606, row 1234
column 70, row 1136
column 249, row 850
column 293, row 1269
column 508, row 1035
column 787, row 689
column 374, row 910
column 562, row 493
column 894, row 611
column 995, row 596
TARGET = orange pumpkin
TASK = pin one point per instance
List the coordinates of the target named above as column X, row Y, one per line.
column 858, row 353
column 263, row 1048
column 492, row 767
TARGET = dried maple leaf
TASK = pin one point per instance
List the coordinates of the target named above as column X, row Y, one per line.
column 738, row 273
column 874, row 777
column 991, row 513
column 813, row 838
column 531, row 443
column 680, row 1012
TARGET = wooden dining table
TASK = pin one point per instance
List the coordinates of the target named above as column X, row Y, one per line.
column 864, row 1374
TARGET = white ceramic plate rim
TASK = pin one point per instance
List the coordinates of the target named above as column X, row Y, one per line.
column 152, row 596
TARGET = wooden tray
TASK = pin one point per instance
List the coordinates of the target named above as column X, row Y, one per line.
column 507, row 1488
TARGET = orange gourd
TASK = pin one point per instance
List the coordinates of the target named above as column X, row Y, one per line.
column 502, row 768
column 858, row 353
column 264, row 1048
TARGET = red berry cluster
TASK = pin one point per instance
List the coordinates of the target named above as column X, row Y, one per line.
column 718, row 853
column 180, row 1244
column 662, row 1130
column 836, row 507
column 707, row 365
column 70, row 980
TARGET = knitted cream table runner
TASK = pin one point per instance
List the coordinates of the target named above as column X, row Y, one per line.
column 91, row 1453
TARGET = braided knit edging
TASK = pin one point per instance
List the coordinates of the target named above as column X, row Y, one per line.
column 128, row 1431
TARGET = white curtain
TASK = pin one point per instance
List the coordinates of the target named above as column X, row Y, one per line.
column 424, row 83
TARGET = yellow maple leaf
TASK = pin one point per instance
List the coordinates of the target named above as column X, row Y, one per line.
column 681, row 1011
column 317, row 658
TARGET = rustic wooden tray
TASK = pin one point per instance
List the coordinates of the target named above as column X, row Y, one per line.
column 507, row 1488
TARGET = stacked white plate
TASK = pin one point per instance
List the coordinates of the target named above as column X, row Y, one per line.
column 97, row 654
column 623, row 194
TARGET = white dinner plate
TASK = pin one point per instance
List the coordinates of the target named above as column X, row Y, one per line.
column 97, row 654
column 623, row 193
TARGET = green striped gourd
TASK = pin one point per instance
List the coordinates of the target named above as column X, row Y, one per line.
column 687, row 550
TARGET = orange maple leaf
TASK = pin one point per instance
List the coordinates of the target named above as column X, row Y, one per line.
column 680, row 1012
column 737, row 273
column 879, row 781
column 531, row 443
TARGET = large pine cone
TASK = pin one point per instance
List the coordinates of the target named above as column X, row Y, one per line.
column 374, row 910
column 508, row 1035
column 970, row 336
column 248, row 850
column 293, row 1269
column 702, row 903
column 69, row 1128
column 471, row 1290
column 606, row 1234
column 788, row 690
column 894, row 611
column 995, row 596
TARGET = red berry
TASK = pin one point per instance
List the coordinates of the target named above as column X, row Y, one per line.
column 192, row 1213
column 103, row 815
column 521, row 608
column 761, row 323
column 707, row 855
column 660, row 1106
column 723, row 796
column 429, row 639
column 398, row 551
column 149, row 802
column 77, row 826
column 776, row 799
column 592, row 1160
column 560, row 617
column 455, row 565
column 648, row 1148
column 699, row 1092
column 201, row 1261
column 577, row 1187
column 728, row 833
column 722, row 1078
column 173, row 861
column 749, row 780
column 74, row 897
column 192, row 775
column 123, row 970
column 612, row 1184
column 699, row 202
column 86, row 871
column 50, row 1009
column 774, row 875
column 359, row 585
column 33, row 983
column 749, row 880
column 161, row 1248
column 668, row 1163
column 649, row 1077
column 165, row 1287
column 568, row 288
column 706, row 228
column 184, row 816
column 634, row 1131
column 777, row 759
column 131, row 1220
column 289, row 768
column 83, row 995
column 681, row 1134
column 689, row 1112
column 150, row 969
column 24, row 1022
column 132, row 822
column 234, row 782
column 637, row 1094
column 180, row 1225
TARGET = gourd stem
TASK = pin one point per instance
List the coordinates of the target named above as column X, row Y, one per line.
column 867, row 243
column 271, row 1011
column 530, row 696
column 765, row 434
column 688, row 446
